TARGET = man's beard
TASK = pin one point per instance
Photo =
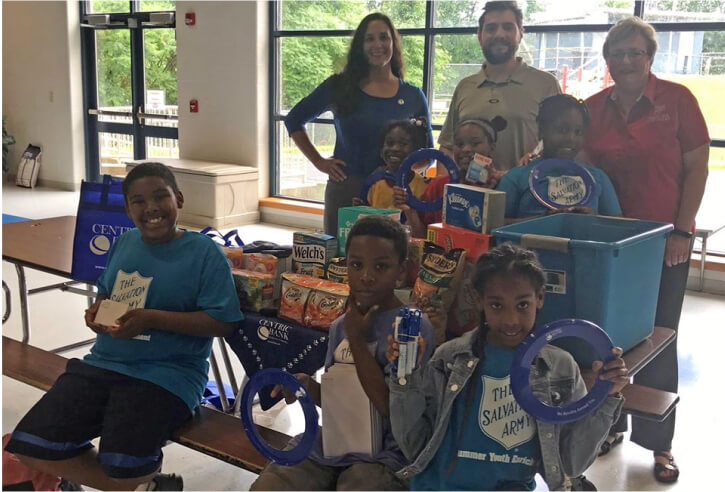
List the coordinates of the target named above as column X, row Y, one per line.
column 494, row 58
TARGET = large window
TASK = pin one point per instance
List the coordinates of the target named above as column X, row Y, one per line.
column 309, row 41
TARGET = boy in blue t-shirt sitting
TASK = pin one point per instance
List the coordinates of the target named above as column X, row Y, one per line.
column 144, row 375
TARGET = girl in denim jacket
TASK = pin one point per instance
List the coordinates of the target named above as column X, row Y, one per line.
column 456, row 419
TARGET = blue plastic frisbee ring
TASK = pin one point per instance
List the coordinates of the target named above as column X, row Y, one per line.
column 542, row 169
column 530, row 347
column 371, row 180
column 267, row 377
column 407, row 164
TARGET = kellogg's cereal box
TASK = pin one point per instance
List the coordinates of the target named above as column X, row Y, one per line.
column 347, row 216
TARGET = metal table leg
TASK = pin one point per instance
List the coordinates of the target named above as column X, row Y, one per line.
column 8, row 300
column 228, row 364
column 703, row 259
column 220, row 382
column 24, row 312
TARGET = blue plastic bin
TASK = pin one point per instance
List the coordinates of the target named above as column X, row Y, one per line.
column 603, row 269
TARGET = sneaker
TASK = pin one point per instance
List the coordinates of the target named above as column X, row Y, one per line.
column 69, row 485
column 582, row 483
column 167, row 481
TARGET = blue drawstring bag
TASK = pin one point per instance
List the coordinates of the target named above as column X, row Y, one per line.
column 228, row 240
column 100, row 220
column 211, row 395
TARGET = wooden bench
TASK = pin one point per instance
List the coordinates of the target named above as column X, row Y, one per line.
column 643, row 401
column 221, row 436
column 210, row 432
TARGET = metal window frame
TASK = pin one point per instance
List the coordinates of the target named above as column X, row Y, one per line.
column 92, row 126
column 429, row 32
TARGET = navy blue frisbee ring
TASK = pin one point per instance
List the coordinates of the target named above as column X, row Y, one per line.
column 539, row 183
column 267, row 377
column 530, row 347
column 371, row 180
column 406, row 166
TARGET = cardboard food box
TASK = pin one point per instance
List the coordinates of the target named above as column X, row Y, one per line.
column 478, row 169
column 450, row 237
column 470, row 207
column 337, row 270
column 347, row 216
column 311, row 252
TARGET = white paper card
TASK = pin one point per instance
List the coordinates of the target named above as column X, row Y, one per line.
column 109, row 311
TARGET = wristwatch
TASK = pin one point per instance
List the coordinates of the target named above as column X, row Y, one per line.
column 681, row 233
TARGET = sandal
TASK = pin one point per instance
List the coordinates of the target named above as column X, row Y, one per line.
column 611, row 441
column 661, row 470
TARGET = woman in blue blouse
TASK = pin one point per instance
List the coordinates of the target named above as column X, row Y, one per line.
column 367, row 94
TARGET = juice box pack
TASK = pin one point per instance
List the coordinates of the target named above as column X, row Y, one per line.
column 347, row 216
column 473, row 208
column 478, row 169
column 255, row 289
column 311, row 253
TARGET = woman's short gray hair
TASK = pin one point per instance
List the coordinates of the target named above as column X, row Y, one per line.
column 628, row 27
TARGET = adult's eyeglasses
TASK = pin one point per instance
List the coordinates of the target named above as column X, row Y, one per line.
column 631, row 54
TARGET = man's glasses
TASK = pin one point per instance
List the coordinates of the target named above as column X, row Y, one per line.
column 633, row 55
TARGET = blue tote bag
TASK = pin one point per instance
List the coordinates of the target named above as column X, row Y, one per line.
column 100, row 220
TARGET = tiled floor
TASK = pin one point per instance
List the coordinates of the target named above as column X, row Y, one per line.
column 56, row 320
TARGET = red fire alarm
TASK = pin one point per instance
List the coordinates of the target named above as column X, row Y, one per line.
column 193, row 106
column 190, row 19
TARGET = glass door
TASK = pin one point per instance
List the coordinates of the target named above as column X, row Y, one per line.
column 129, row 79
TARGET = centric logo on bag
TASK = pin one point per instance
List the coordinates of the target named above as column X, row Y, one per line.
column 99, row 245
column 273, row 332
column 104, row 236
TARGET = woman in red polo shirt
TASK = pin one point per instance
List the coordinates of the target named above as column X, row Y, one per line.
column 650, row 137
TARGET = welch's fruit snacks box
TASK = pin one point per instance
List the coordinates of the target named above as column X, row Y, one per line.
column 347, row 216
column 473, row 208
column 311, row 252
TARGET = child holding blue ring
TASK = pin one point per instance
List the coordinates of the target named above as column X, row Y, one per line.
column 400, row 138
column 563, row 120
column 456, row 418
column 471, row 137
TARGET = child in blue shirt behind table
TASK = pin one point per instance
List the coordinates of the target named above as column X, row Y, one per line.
column 563, row 120
column 376, row 256
column 456, row 418
column 400, row 138
column 145, row 375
